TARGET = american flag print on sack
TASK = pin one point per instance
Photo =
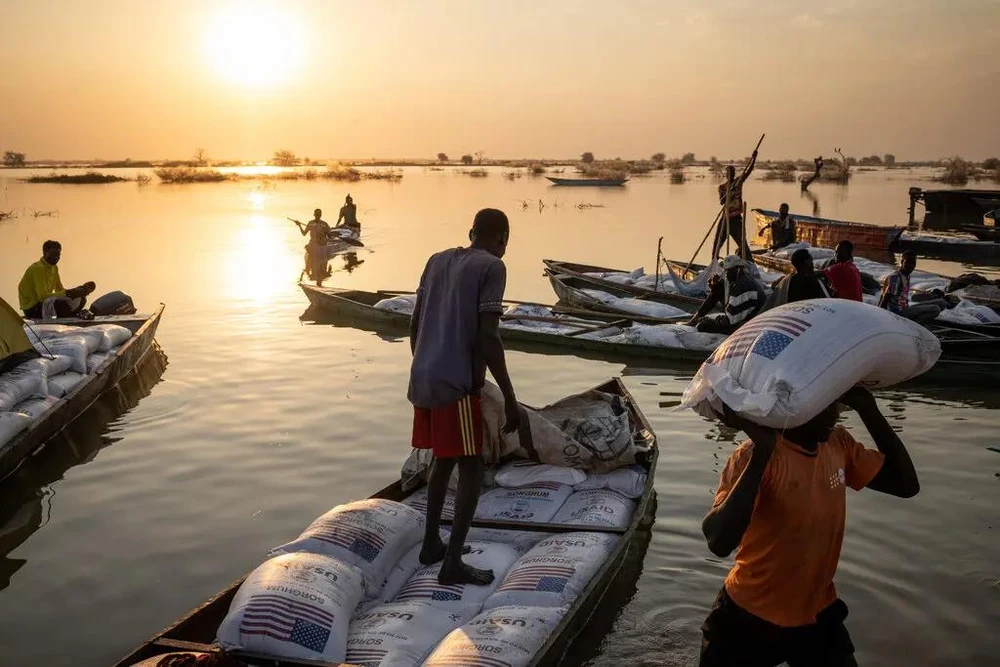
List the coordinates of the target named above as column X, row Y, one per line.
column 767, row 338
column 287, row 620
column 365, row 657
column 466, row 660
column 544, row 578
column 425, row 586
column 366, row 543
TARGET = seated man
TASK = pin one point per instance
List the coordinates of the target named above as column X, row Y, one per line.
column 742, row 294
column 782, row 229
column 896, row 294
column 41, row 293
column 843, row 275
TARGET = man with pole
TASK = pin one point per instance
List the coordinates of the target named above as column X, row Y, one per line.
column 731, row 199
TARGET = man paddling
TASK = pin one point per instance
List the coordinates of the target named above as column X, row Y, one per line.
column 349, row 215
column 740, row 294
column 319, row 232
column 731, row 196
column 781, row 504
column 41, row 293
column 454, row 337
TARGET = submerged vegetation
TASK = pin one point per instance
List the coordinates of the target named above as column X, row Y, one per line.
column 334, row 172
column 189, row 175
column 780, row 171
column 89, row 178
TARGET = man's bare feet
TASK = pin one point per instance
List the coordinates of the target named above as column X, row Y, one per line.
column 432, row 553
column 465, row 574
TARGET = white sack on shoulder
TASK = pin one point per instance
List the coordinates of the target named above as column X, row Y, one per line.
column 505, row 636
column 294, row 606
column 789, row 364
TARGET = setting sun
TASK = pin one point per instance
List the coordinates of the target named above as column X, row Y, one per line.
column 255, row 45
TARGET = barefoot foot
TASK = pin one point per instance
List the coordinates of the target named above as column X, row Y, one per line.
column 435, row 552
column 465, row 574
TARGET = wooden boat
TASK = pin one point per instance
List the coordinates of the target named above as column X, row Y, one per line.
column 69, row 407
column 195, row 632
column 581, row 271
column 570, row 291
column 592, row 182
column 355, row 308
column 953, row 207
column 981, row 247
column 826, row 233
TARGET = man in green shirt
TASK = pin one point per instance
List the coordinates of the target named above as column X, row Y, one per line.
column 41, row 293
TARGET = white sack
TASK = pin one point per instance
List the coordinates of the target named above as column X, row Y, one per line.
column 47, row 331
column 294, row 606
column 418, row 501
column 596, row 507
column 789, row 364
column 368, row 534
column 18, row 385
column 530, row 310
column 502, row 637
column 97, row 361
column 521, row 540
column 522, row 473
column 74, row 347
column 424, row 586
column 62, row 384
column 401, row 634
column 11, row 424
column 537, row 503
column 36, row 407
column 967, row 312
column 48, row 366
column 398, row 304
column 115, row 335
column 554, row 572
column 629, row 481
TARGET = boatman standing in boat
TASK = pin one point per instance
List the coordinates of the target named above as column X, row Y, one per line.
column 731, row 196
column 741, row 295
column 781, row 504
column 41, row 293
column 319, row 234
column 454, row 337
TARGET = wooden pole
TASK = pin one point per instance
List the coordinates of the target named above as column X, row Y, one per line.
column 659, row 254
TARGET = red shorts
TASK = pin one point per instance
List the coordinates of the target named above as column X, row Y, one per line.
column 452, row 430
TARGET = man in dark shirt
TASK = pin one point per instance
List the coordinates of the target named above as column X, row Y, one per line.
column 804, row 284
column 454, row 337
column 731, row 198
column 782, row 229
column 739, row 294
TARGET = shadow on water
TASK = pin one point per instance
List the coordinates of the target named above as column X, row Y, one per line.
column 26, row 496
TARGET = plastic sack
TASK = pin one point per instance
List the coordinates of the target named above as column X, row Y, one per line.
column 401, row 634
column 114, row 336
column 523, row 473
column 537, row 503
column 64, row 383
column 967, row 312
column 424, row 586
column 294, row 606
column 75, row 347
column 596, row 507
column 17, row 385
column 789, row 364
column 629, row 481
column 418, row 501
column 554, row 572
column 96, row 361
column 36, row 407
column 369, row 534
column 501, row 637
column 398, row 304
column 11, row 424
column 48, row 365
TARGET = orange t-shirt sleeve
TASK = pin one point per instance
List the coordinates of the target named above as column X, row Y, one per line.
column 735, row 466
column 860, row 463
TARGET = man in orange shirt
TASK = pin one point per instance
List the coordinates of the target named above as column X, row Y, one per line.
column 781, row 503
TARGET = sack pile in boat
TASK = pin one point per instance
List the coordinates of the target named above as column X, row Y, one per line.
column 69, row 355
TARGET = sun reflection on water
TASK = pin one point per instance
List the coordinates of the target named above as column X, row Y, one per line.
column 260, row 264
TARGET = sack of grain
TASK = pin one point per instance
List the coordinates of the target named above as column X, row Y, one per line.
column 114, row 336
column 401, row 634
column 48, row 365
column 74, row 347
column 500, row 637
column 554, row 572
column 97, row 361
column 536, row 503
column 629, row 481
column 369, row 534
column 62, row 384
column 424, row 586
column 18, row 385
column 789, row 364
column 295, row 606
column 521, row 540
column 11, row 424
column 398, row 304
column 596, row 507
column 36, row 407
column 523, row 473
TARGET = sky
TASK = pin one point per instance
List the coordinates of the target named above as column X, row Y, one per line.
column 110, row 79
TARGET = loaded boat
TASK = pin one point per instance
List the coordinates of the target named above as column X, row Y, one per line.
column 592, row 182
column 314, row 629
column 867, row 238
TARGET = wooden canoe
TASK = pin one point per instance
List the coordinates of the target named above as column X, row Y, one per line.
column 580, row 271
column 69, row 407
column 570, row 291
column 591, row 182
column 955, row 248
column 195, row 632
column 868, row 239
column 355, row 308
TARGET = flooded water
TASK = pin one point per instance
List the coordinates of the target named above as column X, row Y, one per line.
column 255, row 423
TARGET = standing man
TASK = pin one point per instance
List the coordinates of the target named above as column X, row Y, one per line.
column 731, row 196
column 41, row 293
column 740, row 295
column 454, row 337
column 896, row 294
column 319, row 235
column 843, row 274
column 781, row 503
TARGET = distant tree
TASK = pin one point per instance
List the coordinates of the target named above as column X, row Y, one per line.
column 688, row 158
column 852, row 162
column 200, row 157
column 13, row 159
column 587, row 157
column 889, row 160
column 659, row 158
column 870, row 161
column 466, row 159
column 285, row 158
column 991, row 163
column 479, row 156
column 442, row 157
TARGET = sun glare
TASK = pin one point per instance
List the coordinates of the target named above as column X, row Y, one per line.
column 255, row 45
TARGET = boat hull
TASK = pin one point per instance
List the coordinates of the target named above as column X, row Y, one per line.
column 869, row 240
column 588, row 182
column 580, row 271
column 129, row 356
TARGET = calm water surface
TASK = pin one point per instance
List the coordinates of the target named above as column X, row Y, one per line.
column 259, row 423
